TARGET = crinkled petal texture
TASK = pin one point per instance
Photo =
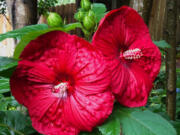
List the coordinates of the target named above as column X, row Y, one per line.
column 64, row 83
column 134, row 61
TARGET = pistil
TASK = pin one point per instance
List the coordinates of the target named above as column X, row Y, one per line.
column 60, row 90
column 132, row 54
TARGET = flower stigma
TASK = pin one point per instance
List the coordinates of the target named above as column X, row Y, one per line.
column 132, row 54
column 60, row 90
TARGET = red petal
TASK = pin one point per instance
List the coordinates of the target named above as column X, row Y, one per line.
column 87, row 111
column 60, row 54
column 135, row 90
column 120, row 30
column 47, row 115
column 28, row 79
column 92, row 75
column 40, row 49
column 120, row 77
column 150, row 62
column 124, row 29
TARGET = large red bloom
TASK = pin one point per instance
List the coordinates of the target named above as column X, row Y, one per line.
column 64, row 84
column 134, row 61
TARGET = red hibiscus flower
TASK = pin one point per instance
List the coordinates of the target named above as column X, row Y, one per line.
column 134, row 61
column 64, row 84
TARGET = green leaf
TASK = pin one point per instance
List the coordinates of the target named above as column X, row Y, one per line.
column 3, row 104
column 16, row 122
column 29, row 130
column 98, row 8
column 6, row 63
column 21, row 32
column 13, row 119
column 178, row 82
column 178, row 70
column 4, row 85
column 110, row 127
column 99, row 17
column 7, row 66
column 12, row 102
column 137, row 122
column 72, row 26
column 176, row 124
column 7, row 73
column 100, row 11
column 4, row 131
column 162, row 44
column 94, row 132
column 8, row 103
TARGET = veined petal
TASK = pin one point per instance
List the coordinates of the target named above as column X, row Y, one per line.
column 60, row 75
column 87, row 111
column 135, row 88
column 28, row 79
column 150, row 60
column 90, row 71
column 47, row 115
column 118, row 30
column 121, row 35
column 119, row 76
column 49, row 45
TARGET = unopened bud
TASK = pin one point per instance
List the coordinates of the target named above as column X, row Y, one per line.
column 54, row 20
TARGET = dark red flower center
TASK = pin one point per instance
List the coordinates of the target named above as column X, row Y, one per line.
column 131, row 54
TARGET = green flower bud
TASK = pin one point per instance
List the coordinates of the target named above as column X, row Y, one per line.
column 88, row 22
column 54, row 20
column 80, row 15
column 85, row 4
column 91, row 14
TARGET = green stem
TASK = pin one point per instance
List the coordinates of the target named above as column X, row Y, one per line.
column 87, row 34
column 15, row 131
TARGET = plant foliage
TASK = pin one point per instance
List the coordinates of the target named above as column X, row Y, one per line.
column 162, row 44
column 18, row 33
column 150, row 120
column 44, row 5
column 15, row 123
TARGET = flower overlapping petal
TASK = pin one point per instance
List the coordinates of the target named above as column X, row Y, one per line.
column 68, row 85
column 133, row 60
column 64, row 83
